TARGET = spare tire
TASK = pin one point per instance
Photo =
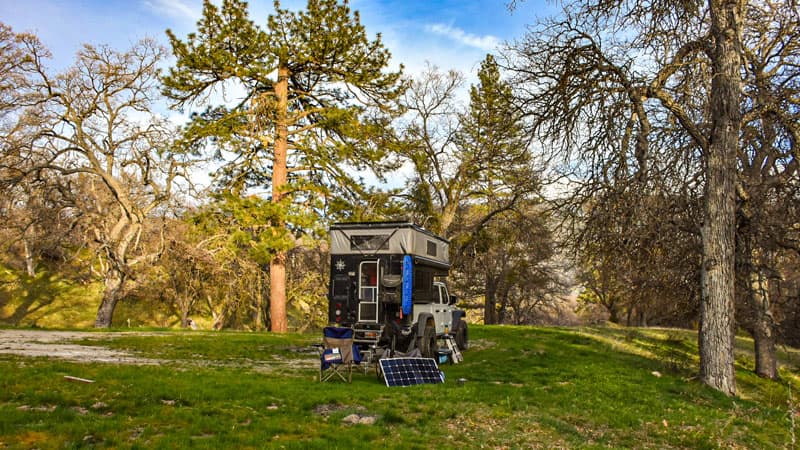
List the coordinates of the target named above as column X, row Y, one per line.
column 427, row 342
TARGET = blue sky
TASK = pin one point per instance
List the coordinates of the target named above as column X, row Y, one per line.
column 452, row 34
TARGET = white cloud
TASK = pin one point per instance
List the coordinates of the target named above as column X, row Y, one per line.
column 177, row 9
column 486, row 43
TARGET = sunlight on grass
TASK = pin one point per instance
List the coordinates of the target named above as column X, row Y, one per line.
column 48, row 301
column 521, row 387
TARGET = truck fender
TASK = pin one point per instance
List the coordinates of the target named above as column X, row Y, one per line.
column 422, row 322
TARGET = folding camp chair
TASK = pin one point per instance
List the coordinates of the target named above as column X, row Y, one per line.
column 338, row 354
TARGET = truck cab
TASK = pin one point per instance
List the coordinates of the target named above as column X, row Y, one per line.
column 388, row 283
column 441, row 308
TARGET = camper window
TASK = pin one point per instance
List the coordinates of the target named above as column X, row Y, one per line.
column 431, row 250
column 369, row 242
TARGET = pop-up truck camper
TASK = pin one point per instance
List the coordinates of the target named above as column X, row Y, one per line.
column 387, row 283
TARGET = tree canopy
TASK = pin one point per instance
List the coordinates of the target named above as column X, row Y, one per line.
column 316, row 101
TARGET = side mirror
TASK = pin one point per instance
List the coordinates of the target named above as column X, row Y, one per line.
column 453, row 300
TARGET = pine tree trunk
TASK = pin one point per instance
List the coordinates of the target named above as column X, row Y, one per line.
column 277, row 266
column 716, row 337
column 114, row 281
column 258, row 324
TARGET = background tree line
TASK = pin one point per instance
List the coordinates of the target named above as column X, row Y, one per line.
column 311, row 118
column 639, row 154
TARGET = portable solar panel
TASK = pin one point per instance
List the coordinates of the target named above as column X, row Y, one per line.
column 410, row 371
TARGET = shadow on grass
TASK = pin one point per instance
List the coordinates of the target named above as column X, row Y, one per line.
column 24, row 300
column 675, row 350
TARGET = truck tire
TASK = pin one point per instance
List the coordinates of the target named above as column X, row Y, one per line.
column 427, row 342
column 462, row 338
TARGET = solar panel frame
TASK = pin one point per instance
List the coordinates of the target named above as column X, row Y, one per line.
column 410, row 371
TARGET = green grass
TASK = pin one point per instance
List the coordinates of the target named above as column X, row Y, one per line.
column 52, row 299
column 46, row 300
column 525, row 388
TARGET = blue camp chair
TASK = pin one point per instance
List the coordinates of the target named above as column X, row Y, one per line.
column 338, row 354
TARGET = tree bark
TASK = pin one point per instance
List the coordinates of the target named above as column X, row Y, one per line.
column 611, row 307
column 30, row 266
column 490, row 305
column 716, row 337
column 114, row 281
column 613, row 315
column 277, row 266
column 766, row 359
column 258, row 323
column 503, row 309
column 447, row 217
column 184, row 303
column 123, row 234
column 763, row 325
column 756, row 176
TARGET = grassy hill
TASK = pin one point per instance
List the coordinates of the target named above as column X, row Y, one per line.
column 54, row 299
column 520, row 387
column 47, row 300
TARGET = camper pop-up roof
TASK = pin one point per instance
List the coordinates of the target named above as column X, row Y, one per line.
column 399, row 238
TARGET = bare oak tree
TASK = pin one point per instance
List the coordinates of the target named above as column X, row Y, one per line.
column 474, row 180
column 27, row 205
column 610, row 77
column 97, row 130
column 768, row 170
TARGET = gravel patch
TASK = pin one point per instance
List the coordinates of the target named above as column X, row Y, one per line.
column 57, row 344
column 60, row 345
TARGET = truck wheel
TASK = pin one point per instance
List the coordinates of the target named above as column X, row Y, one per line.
column 427, row 343
column 462, row 339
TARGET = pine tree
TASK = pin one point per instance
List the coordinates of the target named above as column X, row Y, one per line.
column 497, row 161
column 492, row 136
column 317, row 104
column 463, row 157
